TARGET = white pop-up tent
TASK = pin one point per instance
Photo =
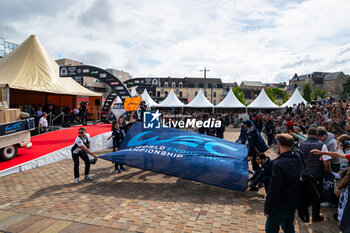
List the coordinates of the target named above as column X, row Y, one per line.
column 171, row 101
column 133, row 92
column 296, row 98
column 150, row 102
column 263, row 102
column 118, row 100
column 230, row 101
column 200, row 101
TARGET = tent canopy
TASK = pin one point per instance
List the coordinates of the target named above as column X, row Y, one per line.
column 230, row 101
column 200, row 101
column 30, row 67
column 263, row 102
column 171, row 101
column 296, row 98
column 150, row 102
column 133, row 92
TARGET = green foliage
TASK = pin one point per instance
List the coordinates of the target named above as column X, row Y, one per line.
column 239, row 94
column 272, row 92
column 346, row 87
column 307, row 91
column 317, row 93
column 271, row 95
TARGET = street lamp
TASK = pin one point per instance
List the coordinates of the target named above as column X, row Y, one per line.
column 205, row 80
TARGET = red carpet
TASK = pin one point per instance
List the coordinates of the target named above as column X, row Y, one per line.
column 47, row 143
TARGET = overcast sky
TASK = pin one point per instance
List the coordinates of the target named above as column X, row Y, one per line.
column 236, row 40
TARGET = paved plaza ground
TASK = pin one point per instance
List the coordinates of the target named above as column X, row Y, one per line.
column 46, row 200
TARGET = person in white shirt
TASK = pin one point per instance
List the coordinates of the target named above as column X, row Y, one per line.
column 43, row 123
column 81, row 149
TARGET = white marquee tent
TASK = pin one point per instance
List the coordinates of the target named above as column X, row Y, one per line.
column 150, row 102
column 171, row 101
column 31, row 68
column 230, row 101
column 133, row 92
column 296, row 98
column 263, row 102
column 200, row 101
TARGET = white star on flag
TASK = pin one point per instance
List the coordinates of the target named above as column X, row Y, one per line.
column 155, row 115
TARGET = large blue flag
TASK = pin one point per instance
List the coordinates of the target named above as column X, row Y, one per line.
column 184, row 154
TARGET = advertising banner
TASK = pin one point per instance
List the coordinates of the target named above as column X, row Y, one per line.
column 131, row 104
column 184, row 154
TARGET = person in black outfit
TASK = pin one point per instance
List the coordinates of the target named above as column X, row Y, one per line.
column 270, row 131
column 316, row 168
column 263, row 174
column 143, row 108
column 84, row 113
column 220, row 131
column 204, row 130
column 284, row 189
column 255, row 141
column 242, row 139
column 118, row 136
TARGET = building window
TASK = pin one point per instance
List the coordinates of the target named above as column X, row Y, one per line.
column 150, row 93
column 195, row 93
column 166, row 84
column 180, row 94
column 158, row 93
column 180, row 84
column 177, row 91
column 214, row 94
column 214, row 102
column 162, row 91
column 166, row 94
column 173, row 84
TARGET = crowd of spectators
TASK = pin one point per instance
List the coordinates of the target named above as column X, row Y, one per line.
column 61, row 113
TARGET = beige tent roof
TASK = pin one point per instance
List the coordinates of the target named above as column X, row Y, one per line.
column 30, row 67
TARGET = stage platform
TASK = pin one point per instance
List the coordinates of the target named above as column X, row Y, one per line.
column 55, row 146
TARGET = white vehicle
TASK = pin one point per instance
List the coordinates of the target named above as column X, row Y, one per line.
column 14, row 135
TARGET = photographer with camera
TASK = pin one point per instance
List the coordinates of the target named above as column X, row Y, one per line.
column 81, row 149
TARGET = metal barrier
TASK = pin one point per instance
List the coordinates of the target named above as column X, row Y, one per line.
column 52, row 120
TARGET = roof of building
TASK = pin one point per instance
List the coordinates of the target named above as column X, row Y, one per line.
column 253, row 83
column 332, row 76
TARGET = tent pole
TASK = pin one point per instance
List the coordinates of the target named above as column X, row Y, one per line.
column 7, row 94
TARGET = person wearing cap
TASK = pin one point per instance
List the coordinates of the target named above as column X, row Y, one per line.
column 283, row 194
column 256, row 143
column 288, row 127
column 316, row 168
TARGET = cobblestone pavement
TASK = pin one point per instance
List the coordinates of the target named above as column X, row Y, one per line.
column 46, row 200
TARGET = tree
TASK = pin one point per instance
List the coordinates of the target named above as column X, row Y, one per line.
column 274, row 91
column 346, row 87
column 239, row 94
column 307, row 92
column 317, row 93
column 271, row 95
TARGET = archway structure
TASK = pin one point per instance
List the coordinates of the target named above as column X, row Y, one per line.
column 118, row 87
